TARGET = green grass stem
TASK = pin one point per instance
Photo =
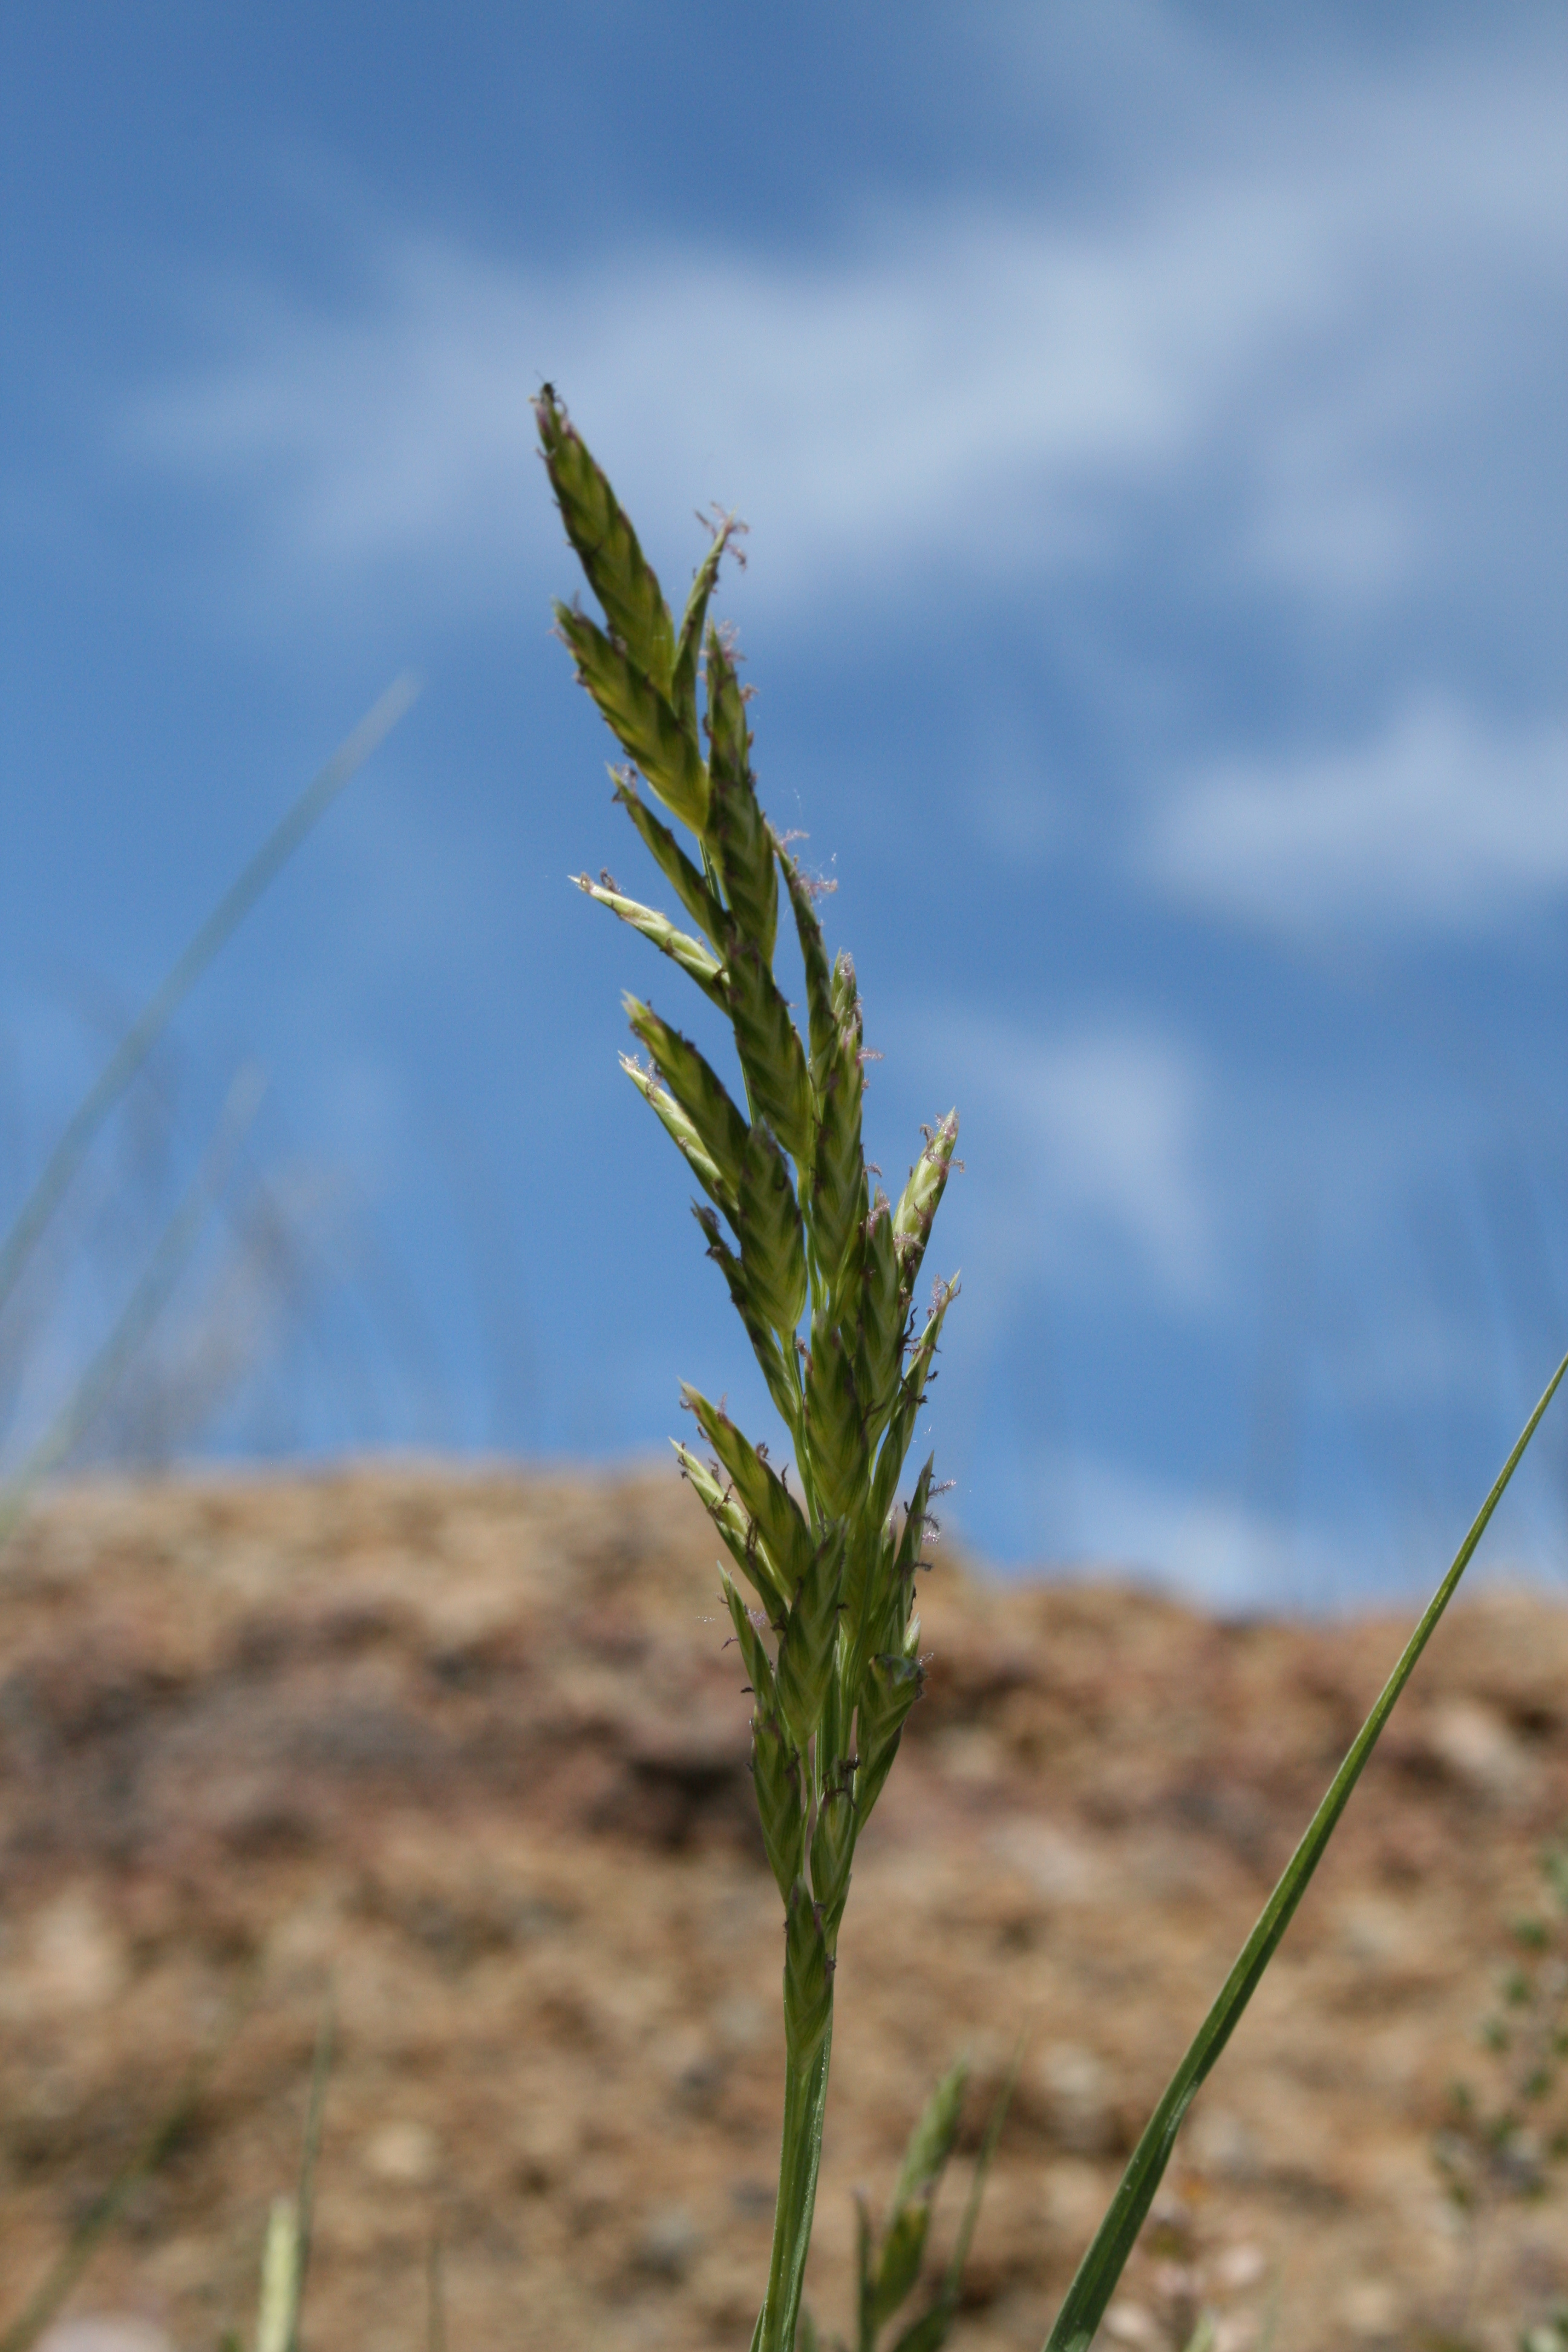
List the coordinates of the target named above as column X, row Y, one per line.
column 800, row 2160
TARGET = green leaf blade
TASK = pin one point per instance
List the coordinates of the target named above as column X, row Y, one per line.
column 1102, row 2265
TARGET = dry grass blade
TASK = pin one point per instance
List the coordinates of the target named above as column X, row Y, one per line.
column 161, row 1007
column 1102, row 2265
column 142, row 1307
column 279, row 2278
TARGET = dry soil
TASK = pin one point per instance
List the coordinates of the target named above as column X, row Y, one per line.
column 470, row 1751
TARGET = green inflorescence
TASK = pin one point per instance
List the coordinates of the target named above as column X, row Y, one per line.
column 822, row 1269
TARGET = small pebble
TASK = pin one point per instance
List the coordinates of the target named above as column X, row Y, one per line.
column 105, row 2332
column 403, row 2153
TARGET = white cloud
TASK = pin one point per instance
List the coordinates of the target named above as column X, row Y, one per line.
column 1212, row 1546
column 1093, row 1153
column 1297, row 345
column 1437, row 821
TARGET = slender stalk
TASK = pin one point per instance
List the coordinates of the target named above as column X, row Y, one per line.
column 800, row 2160
column 161, row 1007
column 142, row 1309
column 162, row 2139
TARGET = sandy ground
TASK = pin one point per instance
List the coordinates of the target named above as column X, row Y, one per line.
column 471, row 1751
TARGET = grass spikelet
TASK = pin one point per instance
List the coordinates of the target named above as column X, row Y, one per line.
column 776, row 1775
column 833, row 1841
column 906, row 1410
column 689, row 884
column 823, row 1028
column 808, row 1977
column 689, row 644
column 606, row 545
column 807, row 1642
column 646, row 722
column 921, row 1197
column 882, row 1314
column 738, row 1530
column 719, row 1129
column 737, row 831
column 770, row 1050
column 834, row 1420
column 692, row 957
column 682, row 1133
column 893, row 1682
column 838, row 1169
column 765, row 1345
column 773, row 1238
column 763, row 1493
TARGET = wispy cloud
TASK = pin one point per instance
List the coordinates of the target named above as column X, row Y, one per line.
column 1288, row 346
column 1095, row 1165
column 1211, row 1545
column 1438, row 823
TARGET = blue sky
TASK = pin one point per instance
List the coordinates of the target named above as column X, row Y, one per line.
column 1149, row 422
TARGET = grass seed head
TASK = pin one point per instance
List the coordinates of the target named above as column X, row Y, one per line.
column 808, row 1977
column 808, row 1640
column 763, row 1493
column 692, row 957
column 773, row 1238
column 921, row 1197
column 769, row 1047
column 738, row 834
column 639, row 717
column 834, row 1420
column 738, row 1530
column 701, row 1095
column 765, row 1345
column 687, row 880
column 683, row 1134
column 606, row 544
column 834, row 1574
column 776, row 1776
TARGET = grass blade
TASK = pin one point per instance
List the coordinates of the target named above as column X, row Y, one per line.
column 161, row 1007
column 1102, row 2265
column 953, row 2280
column 105, row 2209
column 931, row 2331
column 142, row 1307
column 280, row 2276
column 305, row 2200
